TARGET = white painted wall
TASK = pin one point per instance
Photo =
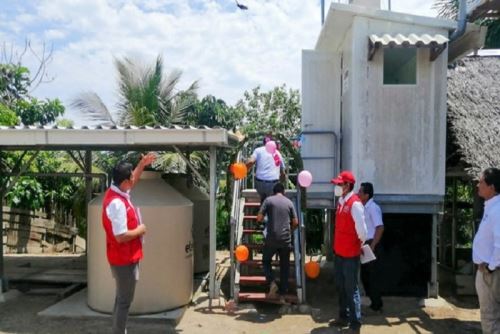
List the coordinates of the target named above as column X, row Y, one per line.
column 320, row 112
column 397, row 132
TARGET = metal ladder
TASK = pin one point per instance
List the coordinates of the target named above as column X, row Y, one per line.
column 248, row 282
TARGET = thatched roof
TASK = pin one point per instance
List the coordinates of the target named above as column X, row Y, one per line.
column 474, row 112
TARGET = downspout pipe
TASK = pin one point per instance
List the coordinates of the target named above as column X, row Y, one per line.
column 461, row 22
column 322, row 12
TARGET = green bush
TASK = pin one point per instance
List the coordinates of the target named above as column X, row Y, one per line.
column 27, row 193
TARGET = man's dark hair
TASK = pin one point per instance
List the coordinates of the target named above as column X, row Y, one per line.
column 492, row 177
column 351, row 186
column 367, row 189
column 266, row 139
column 278, row 188
column 121, row 172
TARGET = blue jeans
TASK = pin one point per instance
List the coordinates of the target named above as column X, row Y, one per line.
column 346, row 280
column 284, row 255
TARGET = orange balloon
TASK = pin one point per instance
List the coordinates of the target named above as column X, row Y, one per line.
column 312, row 269
column 241, row 252
column 239, row 170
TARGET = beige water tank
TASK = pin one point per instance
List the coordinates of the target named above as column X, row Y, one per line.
column 201, row 220
column 166, row 272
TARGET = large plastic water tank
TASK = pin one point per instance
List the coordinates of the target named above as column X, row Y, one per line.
column 201, row 220
column 166, row 272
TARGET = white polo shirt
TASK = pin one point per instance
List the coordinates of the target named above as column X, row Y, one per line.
column 358, row 214
column 266, row 168
column 373, row 218
column 486, row 245
column 117, row 212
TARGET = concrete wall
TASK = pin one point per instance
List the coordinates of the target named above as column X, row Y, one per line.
column 320, row 112
column 394, row 135
column 348, row 92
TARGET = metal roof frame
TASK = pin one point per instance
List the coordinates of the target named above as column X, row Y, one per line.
column 88, row 139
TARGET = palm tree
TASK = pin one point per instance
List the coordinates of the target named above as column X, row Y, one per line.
column 449, row 9
column 146, row 96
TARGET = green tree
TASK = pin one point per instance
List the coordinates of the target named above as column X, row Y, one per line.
column 34, row 111
column 15, row 83
column 276, row 111
column 212, row 112
column 449, row 9
column 7, row 116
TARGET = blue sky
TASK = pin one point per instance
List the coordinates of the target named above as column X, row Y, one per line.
column 226, row 49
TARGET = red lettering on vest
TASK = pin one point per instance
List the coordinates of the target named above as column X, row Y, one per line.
column 124, row 253
column 346, row 242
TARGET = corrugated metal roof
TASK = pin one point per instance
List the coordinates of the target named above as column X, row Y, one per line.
column 406, row 41
column 113, row 137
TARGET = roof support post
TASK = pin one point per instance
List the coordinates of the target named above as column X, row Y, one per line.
column 212, row 229
column 88, row 184
column 433, row 285
column 3, row 281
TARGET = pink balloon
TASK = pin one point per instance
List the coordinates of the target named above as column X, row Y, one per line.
column 271, row 146
column 305, row 178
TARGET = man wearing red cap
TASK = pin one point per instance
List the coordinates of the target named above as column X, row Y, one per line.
column 350, row 234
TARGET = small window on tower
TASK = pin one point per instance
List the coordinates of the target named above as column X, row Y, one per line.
column 400, row 66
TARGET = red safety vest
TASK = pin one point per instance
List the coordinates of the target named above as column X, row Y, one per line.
column 346, row 242
column 124, row 253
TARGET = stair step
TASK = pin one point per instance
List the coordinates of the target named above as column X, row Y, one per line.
column 252, row 231
column 261, row 297
column 257, row 247
column 258, row 280
column 258, row 263
column 249, row 217
column 252, row 204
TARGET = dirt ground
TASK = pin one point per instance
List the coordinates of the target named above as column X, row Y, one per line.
column 401, row 315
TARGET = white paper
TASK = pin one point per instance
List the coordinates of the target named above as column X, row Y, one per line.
column 139, row 221
column 367, row 254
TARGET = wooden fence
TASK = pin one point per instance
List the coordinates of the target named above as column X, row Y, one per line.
column 32, row 232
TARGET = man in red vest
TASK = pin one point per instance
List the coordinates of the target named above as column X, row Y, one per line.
column 123, row 236
column 350, row 234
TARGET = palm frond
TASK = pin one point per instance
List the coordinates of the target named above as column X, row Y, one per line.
column 92, row 106
column 446, row 8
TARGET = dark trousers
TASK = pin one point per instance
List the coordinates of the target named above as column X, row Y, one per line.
column 264, row 188
column 371, row 281
column 284, row 256
column 346, row 280
column 125, row 277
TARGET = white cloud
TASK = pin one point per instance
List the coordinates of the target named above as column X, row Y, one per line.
column 227, row 49
column 52, row 34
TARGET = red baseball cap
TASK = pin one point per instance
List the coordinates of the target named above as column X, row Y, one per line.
column 344, row 177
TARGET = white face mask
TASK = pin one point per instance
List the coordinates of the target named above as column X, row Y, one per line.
column 338, row 191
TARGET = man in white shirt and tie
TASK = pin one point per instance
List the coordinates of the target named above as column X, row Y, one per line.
column 486, row 251
column 375, row 229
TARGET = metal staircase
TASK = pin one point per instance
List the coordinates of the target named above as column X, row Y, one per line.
column 248, row 283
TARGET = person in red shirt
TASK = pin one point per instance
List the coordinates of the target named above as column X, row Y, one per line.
column 123, row 236
column 350, row 234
